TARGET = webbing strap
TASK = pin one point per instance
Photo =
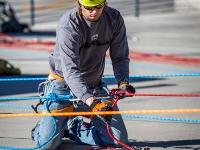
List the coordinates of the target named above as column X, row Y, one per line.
column 54, row 76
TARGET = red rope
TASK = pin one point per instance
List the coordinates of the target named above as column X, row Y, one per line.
column 127, row 94
column 115, row 139
column 169, row 95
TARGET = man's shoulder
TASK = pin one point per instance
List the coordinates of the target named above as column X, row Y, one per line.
column 112, row 11
column 68, row 17
column 113, row 15
column 70, row 14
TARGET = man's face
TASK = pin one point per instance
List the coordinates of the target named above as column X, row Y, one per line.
column 92, row 13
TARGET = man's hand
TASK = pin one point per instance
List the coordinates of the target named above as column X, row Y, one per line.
column 127, row 88
column 97, row 105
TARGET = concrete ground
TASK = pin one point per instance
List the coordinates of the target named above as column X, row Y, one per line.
column 176, row 34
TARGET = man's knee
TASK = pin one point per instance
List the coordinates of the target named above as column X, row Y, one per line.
column 124, row 137
column 46, row 136
column 48, row 144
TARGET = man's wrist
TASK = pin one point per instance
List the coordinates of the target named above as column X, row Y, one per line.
column 89, row 101
column 122, row 83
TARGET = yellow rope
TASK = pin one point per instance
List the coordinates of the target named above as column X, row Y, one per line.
column 44, row 114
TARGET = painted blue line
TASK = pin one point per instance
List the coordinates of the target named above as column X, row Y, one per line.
column 159, row 75
column 22, row 79
column 15, row 106
column 18, row 98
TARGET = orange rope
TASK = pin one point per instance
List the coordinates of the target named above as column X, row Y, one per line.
column 45, row 114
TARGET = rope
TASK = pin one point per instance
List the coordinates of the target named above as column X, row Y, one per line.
column 115, row 139
column 167, row 95
column 51, row 96
column 112, row 77
column 45, row 114
column 158, row 118
column 182, row 120
column 136, row 94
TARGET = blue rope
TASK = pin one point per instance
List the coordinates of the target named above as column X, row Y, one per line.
column 51, row 96
column 111, row 76
column 145, row 117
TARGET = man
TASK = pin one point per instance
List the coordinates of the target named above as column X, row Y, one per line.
column 77, row 65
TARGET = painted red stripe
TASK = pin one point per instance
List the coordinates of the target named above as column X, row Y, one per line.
column 7, row 41
column 134, row 55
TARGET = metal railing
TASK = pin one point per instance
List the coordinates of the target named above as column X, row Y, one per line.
column 40, row 11
column 44, row 11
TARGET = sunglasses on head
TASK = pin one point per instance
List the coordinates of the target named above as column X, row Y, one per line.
column 94, row 7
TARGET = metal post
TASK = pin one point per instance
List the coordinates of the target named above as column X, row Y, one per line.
column 137, row 8
column 32, row 12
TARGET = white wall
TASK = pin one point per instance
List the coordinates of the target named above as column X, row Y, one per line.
column 187, row 4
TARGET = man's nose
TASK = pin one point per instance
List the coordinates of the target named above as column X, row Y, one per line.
column 94, row 10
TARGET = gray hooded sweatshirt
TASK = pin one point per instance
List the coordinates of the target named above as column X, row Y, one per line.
column 80, row 50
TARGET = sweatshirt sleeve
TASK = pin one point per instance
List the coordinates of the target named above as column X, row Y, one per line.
column 69, row 45
column 119, row 51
